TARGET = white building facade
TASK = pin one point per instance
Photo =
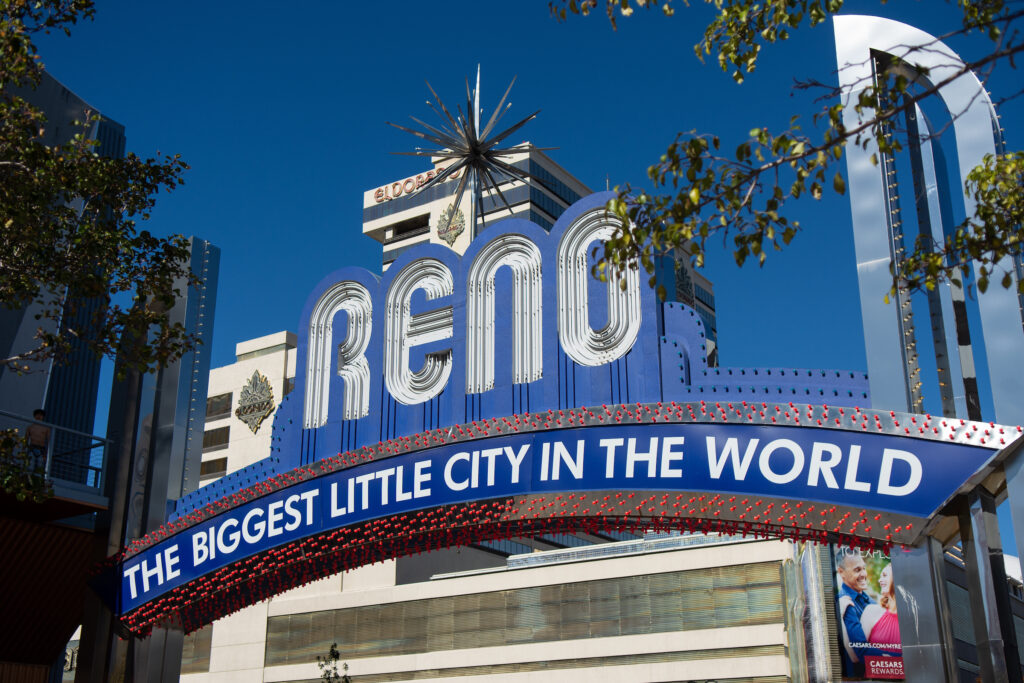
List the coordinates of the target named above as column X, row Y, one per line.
column 241, row 401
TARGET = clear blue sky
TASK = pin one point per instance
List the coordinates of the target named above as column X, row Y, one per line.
column 281, row 116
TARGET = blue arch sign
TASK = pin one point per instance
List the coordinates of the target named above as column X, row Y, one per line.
column 459, row 384
column 904, row 477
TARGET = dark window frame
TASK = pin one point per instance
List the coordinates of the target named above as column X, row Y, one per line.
column 208, row 446
column 213, row 400
column 207, row 471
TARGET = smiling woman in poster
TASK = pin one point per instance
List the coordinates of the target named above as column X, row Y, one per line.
column 879, row 621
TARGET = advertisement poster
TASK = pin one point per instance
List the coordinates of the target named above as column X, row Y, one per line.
column 866, row 608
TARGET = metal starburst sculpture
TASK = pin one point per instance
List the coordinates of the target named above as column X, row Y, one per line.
column 461, row 140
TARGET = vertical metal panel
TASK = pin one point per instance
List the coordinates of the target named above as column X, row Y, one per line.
column 924, row 613
column 986, row 584
column 857, row 39
column 1013, row 466
column 157, row 425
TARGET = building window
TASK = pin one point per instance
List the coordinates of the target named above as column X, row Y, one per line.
column 218, row 406
column 709, row 323
column 411, row 227
column 213, row 468
column 564, row 540
column 216, row 439
column 716, row 597
column 195, row 653
column 705, row 296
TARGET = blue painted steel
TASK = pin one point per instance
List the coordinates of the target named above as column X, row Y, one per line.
column 756, row 460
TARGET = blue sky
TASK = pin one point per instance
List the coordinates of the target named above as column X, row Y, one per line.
column 282, row 117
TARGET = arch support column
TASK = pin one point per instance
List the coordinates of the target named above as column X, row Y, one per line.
column 986, row 585
column 925, row 622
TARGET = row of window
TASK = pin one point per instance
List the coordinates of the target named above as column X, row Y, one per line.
column 704, row 295
column 219, row 406
column 564, row 192
column 427, row 195
column 411, row 227
column 709, row 324
column 424, row 196
column 541, row 221
column 564, row 540
column 505, row 546
column 717, row 597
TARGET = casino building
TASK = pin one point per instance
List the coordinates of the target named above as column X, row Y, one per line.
column 399, row 217
column 507, row 609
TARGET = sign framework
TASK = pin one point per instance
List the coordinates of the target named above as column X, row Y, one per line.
column 712, row 467
column 428, row 420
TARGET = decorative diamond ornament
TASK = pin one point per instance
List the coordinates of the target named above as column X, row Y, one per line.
column 451, row 224
column 256, row 402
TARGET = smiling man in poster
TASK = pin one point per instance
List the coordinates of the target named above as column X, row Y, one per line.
column 866, row 610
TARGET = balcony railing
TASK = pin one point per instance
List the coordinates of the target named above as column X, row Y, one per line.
column 74, row 464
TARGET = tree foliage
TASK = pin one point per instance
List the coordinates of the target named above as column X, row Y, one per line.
column 701, row 190
column 329, row 667
column 20, row 474
column 68, row 219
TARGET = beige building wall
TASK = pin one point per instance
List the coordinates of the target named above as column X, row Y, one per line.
column 273, row 358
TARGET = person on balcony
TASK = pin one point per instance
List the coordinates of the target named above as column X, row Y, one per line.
column 38, row 438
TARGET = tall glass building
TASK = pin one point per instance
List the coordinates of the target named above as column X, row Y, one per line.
column 66, row 391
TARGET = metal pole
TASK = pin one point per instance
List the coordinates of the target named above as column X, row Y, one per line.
column 49, row 453
column 471, row 187
column 986, row 584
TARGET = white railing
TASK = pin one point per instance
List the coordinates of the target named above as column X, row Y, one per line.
column 72, row 458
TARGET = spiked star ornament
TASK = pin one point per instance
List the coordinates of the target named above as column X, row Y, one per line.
column 461, row 141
